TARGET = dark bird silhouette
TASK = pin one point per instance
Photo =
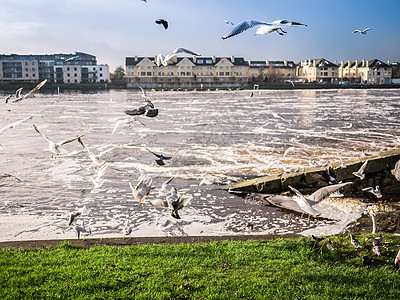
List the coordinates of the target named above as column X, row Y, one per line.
column 162, row 22
column 161, row 158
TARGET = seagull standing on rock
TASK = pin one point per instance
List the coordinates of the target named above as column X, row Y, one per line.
column 355, row 242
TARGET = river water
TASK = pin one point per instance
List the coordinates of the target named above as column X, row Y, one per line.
column 226, row 136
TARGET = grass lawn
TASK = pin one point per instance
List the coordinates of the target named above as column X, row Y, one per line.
column 281, row 269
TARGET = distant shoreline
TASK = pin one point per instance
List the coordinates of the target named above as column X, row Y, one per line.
column 11, row 87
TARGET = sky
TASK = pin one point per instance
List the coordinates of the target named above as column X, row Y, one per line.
column 115, row 29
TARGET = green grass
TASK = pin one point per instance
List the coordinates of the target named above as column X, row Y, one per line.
column 280, row 269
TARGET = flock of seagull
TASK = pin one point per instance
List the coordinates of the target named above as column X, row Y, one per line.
column 169, row 198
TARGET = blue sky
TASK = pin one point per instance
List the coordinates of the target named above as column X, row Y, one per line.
column 115, row 29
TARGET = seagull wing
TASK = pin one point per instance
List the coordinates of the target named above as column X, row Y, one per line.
column 287, row 23
column 107, row 150
column 183, row 50
column 18, row 93
column 354, row 31
column 241, row 27
column 366, row 29
column 143, row 92
column 12, row 125
column 159, row 60
column 45, row 136
column 183, row 201
column 119, row 123
column 32, row 91
column 229, row 22
column 91, row 155
column 157, row 155
column 159, row 203
column 165, row 183
column 324, row 192
column 362, row 168
column 66, row 141
column 303, row 203
column 288, row 150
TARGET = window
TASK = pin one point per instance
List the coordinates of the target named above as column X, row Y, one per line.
column 148, row 73
column 68, row 69
column 101, row 69
column 76, row 75
column 378, row 73
column 26, row 69
column 75, row 69
column 101, row 74
column 188, row 73
column 182, row 73
column 227, row 73
column 68, row 75
column 33, row 69
column 221, row 73
column 143, row 73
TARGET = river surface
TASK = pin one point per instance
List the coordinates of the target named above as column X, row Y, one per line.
column 223, row 136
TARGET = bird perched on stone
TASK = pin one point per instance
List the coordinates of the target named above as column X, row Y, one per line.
column 355, row 242
column 376, row 249
column 329, row 245
column 397, row 260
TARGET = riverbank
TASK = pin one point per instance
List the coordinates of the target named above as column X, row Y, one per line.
column 255, row 269
column 60, row 87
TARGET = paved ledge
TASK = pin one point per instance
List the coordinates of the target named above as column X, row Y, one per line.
column 93, row 242
column 377, row 172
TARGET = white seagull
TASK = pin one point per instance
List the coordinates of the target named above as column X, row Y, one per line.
column 376, row 191
column 12, row 125
column 97, row 182
column 174, row 202
column 19, row 95
column 96, row 158
column 162, row 192
column 148, row 110
column 125, row 122
column 82, row 230
column 127, row 230
column 142, row 189
column 365, row 31
column 55, row 147
column 172, row 56
column 360, row 173
column 263, row 27
column 303, row 203
column 82, row 211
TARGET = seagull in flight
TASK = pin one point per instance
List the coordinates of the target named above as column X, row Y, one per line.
column 174, row 202
column 161, row 158
column 376, row 191
column 125, row 122
column 263, row 27
column 19, row 95
column 148, row 110
column 229, row 22
column 365, row 31
column 142, row 189
column 162, row 192
column 172, row 56
column 96, row 158
column 12, row 125
column 5, row 175
column 55, row 147
column 162, row 22
column 321, row 194
column 74, row 215
column 360, row 173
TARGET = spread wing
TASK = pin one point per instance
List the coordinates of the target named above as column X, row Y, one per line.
column 32, row 91
column 12, row 125
column 38, row 131
column 324, row 192
column 241, row 27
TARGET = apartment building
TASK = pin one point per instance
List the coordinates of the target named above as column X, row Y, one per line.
column 366, row 71
column 232, row 71
column 205, row 71
column 56, row 68
column 317, row 70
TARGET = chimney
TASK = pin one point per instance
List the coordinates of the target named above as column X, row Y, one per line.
column 233, row 59
column 314, row 63
column 335, row 62
column 285, row 63
column 363, row 63
column 194, row 59
column 389, row 62
column 367, row 63
column 136, row 58
column 213, row 59
column 267, row 63
column 342, row 63
column 356, row 63
column 348, row 64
